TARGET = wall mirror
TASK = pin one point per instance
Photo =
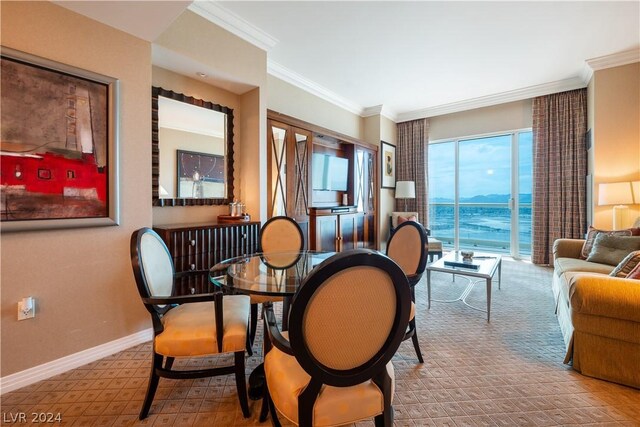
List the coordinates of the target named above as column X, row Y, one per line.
column 192, row 150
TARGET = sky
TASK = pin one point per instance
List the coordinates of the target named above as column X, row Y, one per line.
column 485, row 167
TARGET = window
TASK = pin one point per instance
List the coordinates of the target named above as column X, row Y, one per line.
column 480, row 192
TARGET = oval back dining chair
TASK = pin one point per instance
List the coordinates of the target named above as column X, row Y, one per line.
column 409, row 246
column 347, row 320
column 200, row 325
column 278, row 235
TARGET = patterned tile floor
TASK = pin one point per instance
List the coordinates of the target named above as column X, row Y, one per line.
column 505, row 373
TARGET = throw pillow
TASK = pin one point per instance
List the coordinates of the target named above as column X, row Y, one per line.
column 402, row 219
column 594, row 232
column 635, row 273
column 612, row 249
column 627, row 265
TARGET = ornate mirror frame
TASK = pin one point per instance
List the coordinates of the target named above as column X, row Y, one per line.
column 155, row 150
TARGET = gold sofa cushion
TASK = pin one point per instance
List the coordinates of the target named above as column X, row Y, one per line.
column 334, row 406
column 190, row 329
column 564, row 265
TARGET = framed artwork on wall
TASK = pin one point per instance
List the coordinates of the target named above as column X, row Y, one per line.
column 200, row 175
column 59, row 145
column 388, row 165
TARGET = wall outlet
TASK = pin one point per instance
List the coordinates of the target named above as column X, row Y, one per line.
column 26, row 308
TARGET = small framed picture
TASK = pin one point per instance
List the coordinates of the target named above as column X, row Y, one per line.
column 388, row 157
column 200, row 175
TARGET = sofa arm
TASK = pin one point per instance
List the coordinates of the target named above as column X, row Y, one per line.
column 567, row 248
column 605, row 296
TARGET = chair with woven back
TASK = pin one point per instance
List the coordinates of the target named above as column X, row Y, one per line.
column 397, row 218
column 408, row 247
column 200, row 325
column 280, row 236
column 333, row 366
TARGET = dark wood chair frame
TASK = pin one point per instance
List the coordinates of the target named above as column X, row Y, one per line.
column 414, row 279
column 254, row 307
column 431, row 254
column 374, row 369
column 158, row 307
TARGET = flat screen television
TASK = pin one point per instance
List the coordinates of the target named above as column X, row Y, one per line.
column 329, row 173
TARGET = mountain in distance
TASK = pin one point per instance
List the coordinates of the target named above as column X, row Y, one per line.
column 484, row 198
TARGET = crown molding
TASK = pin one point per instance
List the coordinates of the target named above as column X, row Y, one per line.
column 609, row 61
column 233, row 23
column 381, row 110
column 614, row 60
column 500, row 98
column 312, row 87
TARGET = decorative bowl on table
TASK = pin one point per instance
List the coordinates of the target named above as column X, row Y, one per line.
column 466, row 255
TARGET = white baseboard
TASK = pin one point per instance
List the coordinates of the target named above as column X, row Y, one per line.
column 47, row 370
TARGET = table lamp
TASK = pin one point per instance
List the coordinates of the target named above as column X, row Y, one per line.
column 618, row 194
column 405, row 190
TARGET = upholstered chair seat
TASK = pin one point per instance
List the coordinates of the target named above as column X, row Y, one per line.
column 190, row 329
column 261, row 299
column 334, row 406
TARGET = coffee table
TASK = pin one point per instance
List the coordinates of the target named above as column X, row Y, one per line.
column 487, row 265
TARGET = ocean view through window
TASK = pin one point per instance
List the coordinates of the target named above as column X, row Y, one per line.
column 480, row 192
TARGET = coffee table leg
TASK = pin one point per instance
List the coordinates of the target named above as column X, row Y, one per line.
column 429, row 288
column 489, row 299
column 500, row 275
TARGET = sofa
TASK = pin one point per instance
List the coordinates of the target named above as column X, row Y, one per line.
column 599, row 316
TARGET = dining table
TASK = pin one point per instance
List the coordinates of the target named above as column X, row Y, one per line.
column 276, row 274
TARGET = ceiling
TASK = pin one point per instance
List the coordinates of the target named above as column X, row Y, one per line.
column 413, row 59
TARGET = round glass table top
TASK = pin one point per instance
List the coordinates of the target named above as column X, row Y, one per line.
column 274, row 274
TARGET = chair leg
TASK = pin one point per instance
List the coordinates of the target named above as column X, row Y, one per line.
column 414, row 339
column 264, row 409
column 241, row 383
column 254, row 322
column 248, row 343
column 385, row 419
column 169, row 363
column 156, row 363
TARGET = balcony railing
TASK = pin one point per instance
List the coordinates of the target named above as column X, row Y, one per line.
column 482, row 226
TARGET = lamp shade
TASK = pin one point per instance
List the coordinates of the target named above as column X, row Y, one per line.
column 405, row 190
column 615, row 193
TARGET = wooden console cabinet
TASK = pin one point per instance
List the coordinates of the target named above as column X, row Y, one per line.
column 339, row 229
column 325, row 224
column 198, row 247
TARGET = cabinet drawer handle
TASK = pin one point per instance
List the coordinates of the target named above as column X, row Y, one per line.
column 193, row 267
column 193, row 243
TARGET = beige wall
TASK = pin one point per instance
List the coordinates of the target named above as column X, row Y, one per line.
column 81, row 278
column 497, row 118
column 229, row 59
column 388, row 133
column 616, row 133
column 292, row 101
column 225, row 55
column 379, row 128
